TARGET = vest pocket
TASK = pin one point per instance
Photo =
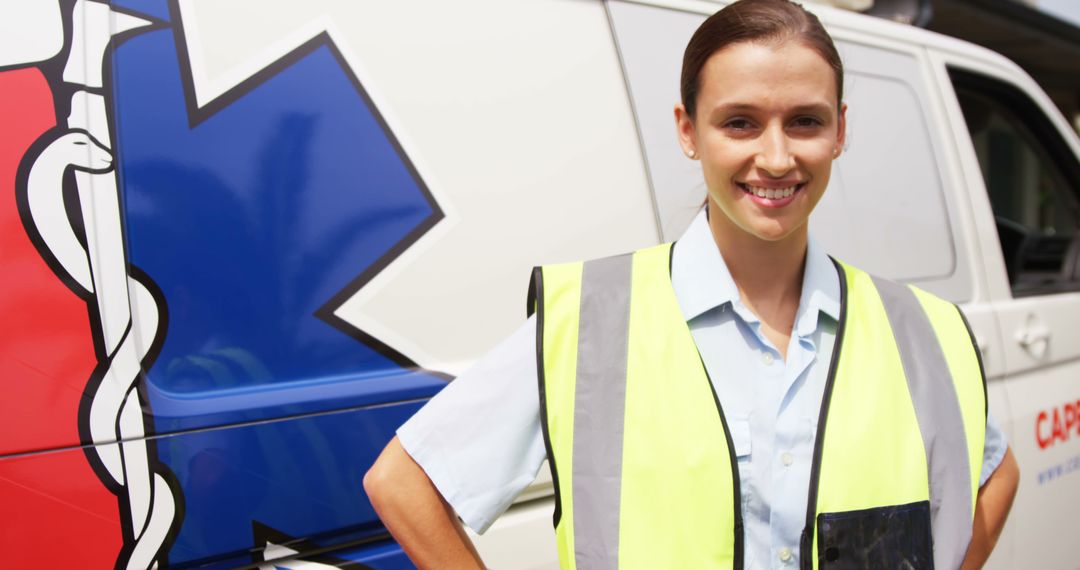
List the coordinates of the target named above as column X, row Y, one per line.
column 882, row 537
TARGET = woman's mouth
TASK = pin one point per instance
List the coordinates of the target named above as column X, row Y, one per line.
column 771, row 197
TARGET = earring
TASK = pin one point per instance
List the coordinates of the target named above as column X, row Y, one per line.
column 836, row 152
column 691, row 154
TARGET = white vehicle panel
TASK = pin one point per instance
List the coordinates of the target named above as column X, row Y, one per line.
column 1044, row 394
column 651, row 42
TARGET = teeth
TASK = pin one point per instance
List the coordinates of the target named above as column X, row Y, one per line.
column 771, row 193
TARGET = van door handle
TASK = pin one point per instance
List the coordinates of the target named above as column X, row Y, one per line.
column 1034, row 338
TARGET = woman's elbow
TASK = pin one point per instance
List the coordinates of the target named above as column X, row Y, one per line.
column 379, row 480
column 374, row 482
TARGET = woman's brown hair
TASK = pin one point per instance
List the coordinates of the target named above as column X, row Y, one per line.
column 772, row 21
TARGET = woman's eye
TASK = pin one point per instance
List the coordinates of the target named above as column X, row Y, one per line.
column 807, row 122
column 737, row 124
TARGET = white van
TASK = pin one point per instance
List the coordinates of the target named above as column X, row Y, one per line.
column 244, row 241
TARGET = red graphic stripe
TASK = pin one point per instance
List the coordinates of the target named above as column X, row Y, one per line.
column 59, row 514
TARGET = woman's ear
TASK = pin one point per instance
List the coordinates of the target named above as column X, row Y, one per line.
column 841, row 130
column 684, row 127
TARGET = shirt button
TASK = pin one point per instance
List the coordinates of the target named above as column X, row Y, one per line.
column 787, row 459
column 767, row 358
column 785, row 554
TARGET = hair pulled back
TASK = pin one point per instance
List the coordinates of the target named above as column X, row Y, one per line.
column 766, row 21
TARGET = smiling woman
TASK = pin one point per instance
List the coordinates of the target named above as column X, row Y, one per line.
column 735, row 398
column 766, row 136
column 765, row 118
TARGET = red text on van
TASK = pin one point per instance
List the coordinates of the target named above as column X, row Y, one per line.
column 1057, row 424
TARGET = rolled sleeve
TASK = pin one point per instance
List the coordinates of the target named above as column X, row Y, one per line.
column 479, row 439
column 993, row 449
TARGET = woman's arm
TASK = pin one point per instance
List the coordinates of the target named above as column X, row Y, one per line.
column 991, row 509
column 416, row 514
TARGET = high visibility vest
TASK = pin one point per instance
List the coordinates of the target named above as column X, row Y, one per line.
column 641, row 456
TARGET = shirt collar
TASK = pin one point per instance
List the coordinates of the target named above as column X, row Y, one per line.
column 698, row 273
column 820, row 290
column 702, row 281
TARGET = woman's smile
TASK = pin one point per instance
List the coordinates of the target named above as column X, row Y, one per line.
column 771, row 195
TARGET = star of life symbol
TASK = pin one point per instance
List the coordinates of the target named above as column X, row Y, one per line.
column 86, row 248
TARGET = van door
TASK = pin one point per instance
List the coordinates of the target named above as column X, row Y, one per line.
column 1031, row 175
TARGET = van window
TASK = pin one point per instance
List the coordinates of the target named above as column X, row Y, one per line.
column 886, row 209
column 1031, row 177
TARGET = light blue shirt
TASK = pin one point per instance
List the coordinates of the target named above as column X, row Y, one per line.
column 479, row 440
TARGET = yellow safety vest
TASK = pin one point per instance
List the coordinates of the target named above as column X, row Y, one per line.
column 641, row 455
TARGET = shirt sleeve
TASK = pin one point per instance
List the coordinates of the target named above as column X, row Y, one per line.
column 479, row 439
column 993, row 449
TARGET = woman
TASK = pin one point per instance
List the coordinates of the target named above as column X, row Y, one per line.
column 736, row 399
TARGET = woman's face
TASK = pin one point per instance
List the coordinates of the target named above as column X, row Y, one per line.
column 767, row 129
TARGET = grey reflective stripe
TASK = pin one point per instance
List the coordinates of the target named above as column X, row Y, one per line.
column 599, row 407
column 937, row 409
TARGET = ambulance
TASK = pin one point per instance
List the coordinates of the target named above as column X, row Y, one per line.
column 243, row 241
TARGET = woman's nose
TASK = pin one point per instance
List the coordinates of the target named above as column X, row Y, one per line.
column 774, row 156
